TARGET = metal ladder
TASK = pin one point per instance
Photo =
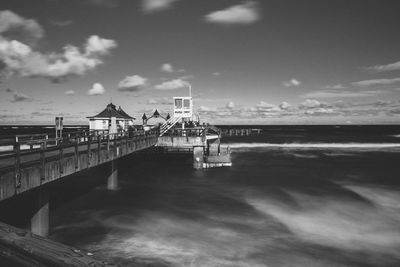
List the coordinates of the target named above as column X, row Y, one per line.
column 169, row 124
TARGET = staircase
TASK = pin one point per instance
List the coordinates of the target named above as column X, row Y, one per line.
column 169, row 124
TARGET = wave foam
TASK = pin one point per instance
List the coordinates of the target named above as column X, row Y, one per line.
column 316, row 145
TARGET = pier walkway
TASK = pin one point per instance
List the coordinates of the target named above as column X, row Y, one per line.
column 22, row 170
column 30, row 164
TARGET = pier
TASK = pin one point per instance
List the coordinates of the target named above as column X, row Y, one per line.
column 36, row 161
column 30, row 162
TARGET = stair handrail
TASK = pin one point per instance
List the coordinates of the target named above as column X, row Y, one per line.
column 169, row 124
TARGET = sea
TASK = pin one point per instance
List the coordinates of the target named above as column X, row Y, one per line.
column 295, row 196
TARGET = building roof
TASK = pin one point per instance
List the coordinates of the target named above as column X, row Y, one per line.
column 111, row 111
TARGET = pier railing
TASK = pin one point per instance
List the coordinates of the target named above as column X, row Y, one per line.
column 31, row 163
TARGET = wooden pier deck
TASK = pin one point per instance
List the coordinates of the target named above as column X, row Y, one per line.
column 22, row 170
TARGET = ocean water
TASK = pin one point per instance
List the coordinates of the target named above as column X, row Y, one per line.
column 295, row 196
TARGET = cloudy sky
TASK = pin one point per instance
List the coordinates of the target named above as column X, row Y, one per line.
column 248, row 61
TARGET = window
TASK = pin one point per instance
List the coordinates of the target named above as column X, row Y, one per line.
column 178, row 103
column 186, row 103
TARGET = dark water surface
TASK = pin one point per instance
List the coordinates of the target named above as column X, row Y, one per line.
column 312, row 203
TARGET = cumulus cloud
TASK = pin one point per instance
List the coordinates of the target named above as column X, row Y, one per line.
column 166, row 67
column 97, row 89
column 21, row 59
column 10, row 22
column 216, row 74
column 284, row 105
column 244, row 13
column 230, row 105
column 311, row 103
column 132, row 83
column 173, row 84
column 292, row 82
column 319, row 111
column 376, row 82
column 150, row 6
column 19, row 97
column 70, row 92
column 387, row 67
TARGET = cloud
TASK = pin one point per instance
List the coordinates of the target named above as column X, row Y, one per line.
column 334, row 87
column 97, row 89
column 216, row 74
column 11, row 22
column 292, row 82
column 387, row 67
column 160, row 101
column 17, row 55
column 340, row 94
column 173, row 84
column 319, row 111
column 230, row 105
column 206, row 109
column 8, row 90
column 20, row 59
column 70, row 92
column 245, row 13
column 152, row 101
column 376, row 82
column 150, row 6
column 60, row 23
column 132, row 83
column 99, row 46
column 284, row 105
column 265, row 108
column 19, row 97
column 311, row 103
column 167, row 68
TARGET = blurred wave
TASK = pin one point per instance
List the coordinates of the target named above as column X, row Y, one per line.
column 371, row 226
column 317, row 145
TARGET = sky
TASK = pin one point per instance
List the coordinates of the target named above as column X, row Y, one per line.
column 247, row 61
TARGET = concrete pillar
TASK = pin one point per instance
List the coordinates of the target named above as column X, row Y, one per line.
column 112, row 180
column 40, row 219
column 198, row 157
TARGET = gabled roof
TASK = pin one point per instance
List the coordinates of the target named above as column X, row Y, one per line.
column 111, row 111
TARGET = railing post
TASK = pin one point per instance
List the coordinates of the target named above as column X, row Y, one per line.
column 98, row 148
column 17, row 166
column 115, row 147
column 88, row 151
column 43, row 147
column 61, row 154
column 126, row 145
column 76, row 156
column 108, row 146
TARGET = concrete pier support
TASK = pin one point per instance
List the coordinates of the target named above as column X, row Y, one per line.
column 198, row 157
column 40, row 219
column 112, row 180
